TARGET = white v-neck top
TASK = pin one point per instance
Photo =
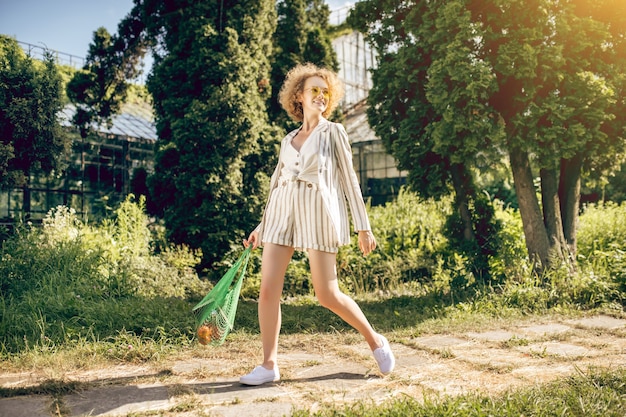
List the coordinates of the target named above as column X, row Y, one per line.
column 301, row 165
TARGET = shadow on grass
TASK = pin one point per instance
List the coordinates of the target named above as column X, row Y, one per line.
column 169, row 320
column 385, row 315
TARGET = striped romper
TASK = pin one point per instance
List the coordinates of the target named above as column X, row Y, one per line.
column 295, row 214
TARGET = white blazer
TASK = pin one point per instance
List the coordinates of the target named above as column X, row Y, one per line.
column 337, row 180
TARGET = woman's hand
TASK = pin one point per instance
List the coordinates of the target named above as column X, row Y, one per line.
column 252, row 239
column 367, row 242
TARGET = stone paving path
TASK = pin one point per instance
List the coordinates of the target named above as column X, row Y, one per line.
column 487, row 362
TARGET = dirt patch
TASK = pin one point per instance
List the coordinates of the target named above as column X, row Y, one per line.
column 324, row 371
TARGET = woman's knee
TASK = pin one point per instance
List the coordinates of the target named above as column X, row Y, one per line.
column 271, row 291
column 329, row 299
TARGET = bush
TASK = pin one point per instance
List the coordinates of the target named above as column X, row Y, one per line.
column 602, row 228
column 414, row 254
column 67, row 279
column 486, row 243
column 410, row 242
column 602, row 241
column 511, row 261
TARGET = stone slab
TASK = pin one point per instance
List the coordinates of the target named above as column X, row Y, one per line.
column 408, row 359
column 118, row 400
column 439, row 341
column 502, row 360
column 565, row 350
column 228, row 392
column 545, row 329
column 538, row 374
column 271, row 409
column 493, row 336
column 600, row 322
column 27, row 406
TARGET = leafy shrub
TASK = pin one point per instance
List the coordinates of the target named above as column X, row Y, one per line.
column 413, row 254
column 511, row 261
column 602, row 228
column 601, row 241
column 410, row 241
column 67, row 279
column 486, row 242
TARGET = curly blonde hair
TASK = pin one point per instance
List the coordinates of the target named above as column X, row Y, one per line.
column 294, row 86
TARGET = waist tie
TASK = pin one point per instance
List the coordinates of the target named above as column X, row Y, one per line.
column 295, row 180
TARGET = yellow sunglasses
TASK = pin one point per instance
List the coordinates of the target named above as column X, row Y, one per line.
column 317, row 90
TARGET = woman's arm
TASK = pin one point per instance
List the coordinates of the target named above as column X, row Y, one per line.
column 348, row 179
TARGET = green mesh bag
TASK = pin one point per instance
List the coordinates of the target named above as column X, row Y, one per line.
column 215, row 314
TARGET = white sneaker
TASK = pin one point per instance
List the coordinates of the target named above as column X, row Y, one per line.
column 384, row 357
column 260, row 375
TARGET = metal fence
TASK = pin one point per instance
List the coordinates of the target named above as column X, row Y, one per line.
column 62, row 58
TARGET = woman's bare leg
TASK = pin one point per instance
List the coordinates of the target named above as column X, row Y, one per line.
column 324, row 277
column 274, row 264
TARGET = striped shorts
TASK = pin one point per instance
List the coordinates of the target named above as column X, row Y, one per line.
column 296, row 216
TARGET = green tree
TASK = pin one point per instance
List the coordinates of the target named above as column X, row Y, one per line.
column 288, row 40
column 536, row 81
column 301, row 36
column 32, row 140
column 318, row 47
column 210, row 84
column 415, row 124
column 100, row 89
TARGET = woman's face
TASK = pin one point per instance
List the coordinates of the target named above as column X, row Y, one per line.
column 315, row 95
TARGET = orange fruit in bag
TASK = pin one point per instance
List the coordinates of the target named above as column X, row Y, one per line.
column 205, row 334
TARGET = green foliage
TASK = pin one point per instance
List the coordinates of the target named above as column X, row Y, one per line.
column 410, row 242
column 410, row 246
column 209, row 84
column 485, row 245
column 302, row 35
column 557, row 289
column 466, row 82
column 602, row 228
column 511, row 259
column 66, row 72
column 31, row 137
column 100, row 88
column 68, row 280
column 415, row 255
column 100, row 289
column 602, row 241
column 439, row 142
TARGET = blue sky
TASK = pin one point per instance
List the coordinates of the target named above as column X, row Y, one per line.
column 67, row 25
column 63, row 25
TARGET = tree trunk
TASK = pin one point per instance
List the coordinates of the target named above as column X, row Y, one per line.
column 535, row 232
column 463, row 189
column 552, row 214
column 569, row 195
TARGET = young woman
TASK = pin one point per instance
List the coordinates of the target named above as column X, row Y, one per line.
column 306, row 210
